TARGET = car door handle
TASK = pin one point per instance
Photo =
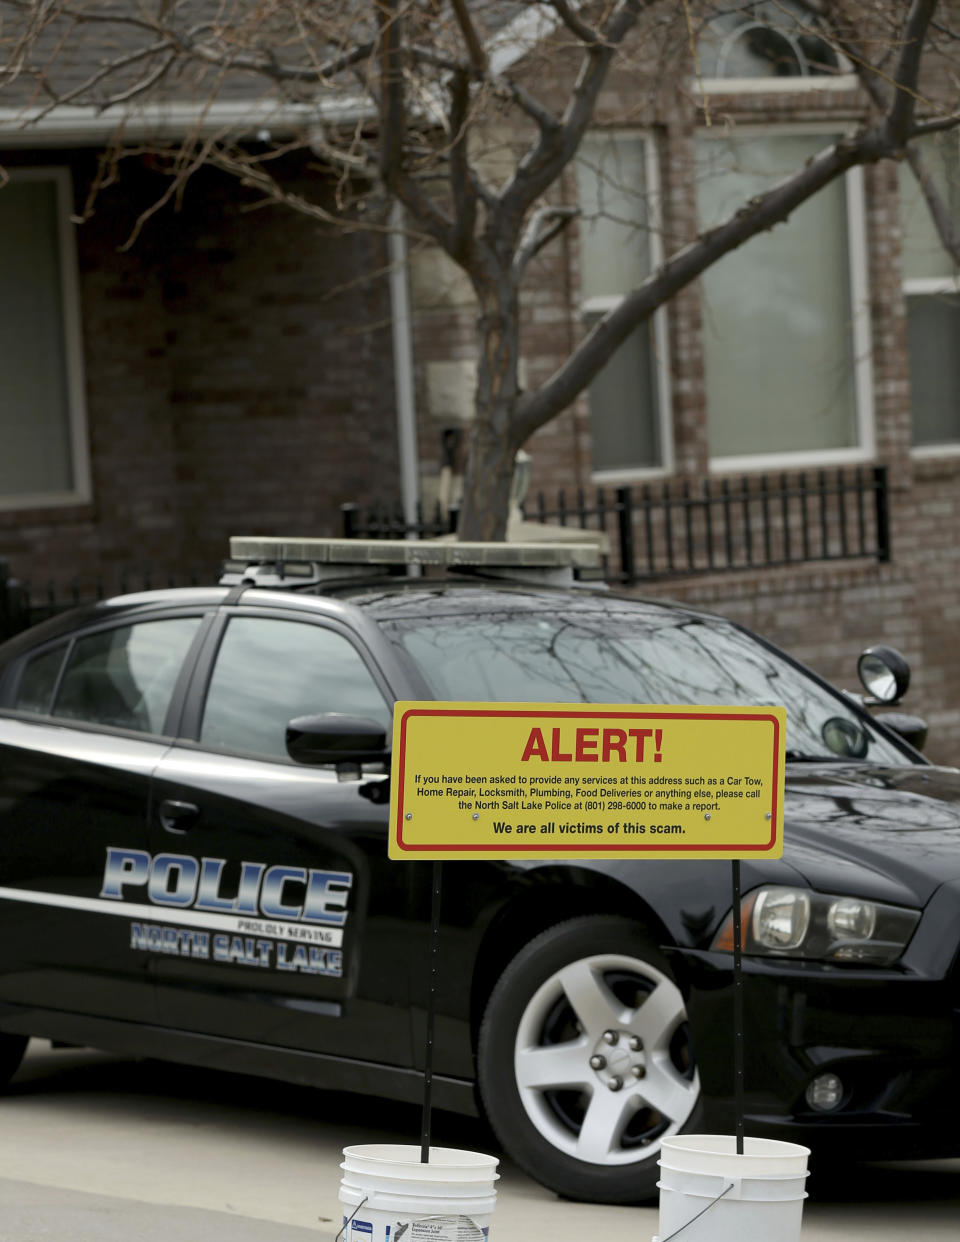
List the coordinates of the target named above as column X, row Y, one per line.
column 178, row 816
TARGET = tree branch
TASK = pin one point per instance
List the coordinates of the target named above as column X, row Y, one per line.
column 254, row 177
column 542, row 228
column 177, row 183
column 572, row 20
column 883, row 89
column 393, row 130
column 907, row 73
column 541, row 166
column 52, row 10
column 189, row 44
column 343, row 158
column 939, row 212
column 393, row 109
column 461, row 185
column 275, row 70
column 544, row 119
column 759, row 214
column 114, row 66
column 934, row 125
column 478, row 56
column 145, row 84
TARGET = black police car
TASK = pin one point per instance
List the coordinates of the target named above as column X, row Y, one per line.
column 173, row 885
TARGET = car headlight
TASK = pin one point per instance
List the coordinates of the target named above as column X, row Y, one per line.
column 797, row 922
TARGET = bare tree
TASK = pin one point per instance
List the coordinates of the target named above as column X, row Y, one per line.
column 398, row 97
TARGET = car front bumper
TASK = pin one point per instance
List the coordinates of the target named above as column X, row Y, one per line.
column 893, row 1040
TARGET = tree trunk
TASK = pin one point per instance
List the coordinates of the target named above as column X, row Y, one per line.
column 494, row 438
column 486, row 483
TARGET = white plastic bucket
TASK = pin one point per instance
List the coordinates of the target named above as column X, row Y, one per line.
column 388, row 1195
column 710, row 1193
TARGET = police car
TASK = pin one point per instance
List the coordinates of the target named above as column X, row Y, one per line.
column 176, row 884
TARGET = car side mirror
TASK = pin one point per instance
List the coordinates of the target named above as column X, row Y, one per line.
column 884, row 674
column 334, row 738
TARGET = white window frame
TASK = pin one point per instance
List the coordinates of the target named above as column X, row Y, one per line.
column 840, row 82
column 601, row 304
column 75, row 385
column 921, row 286
column 861, row 330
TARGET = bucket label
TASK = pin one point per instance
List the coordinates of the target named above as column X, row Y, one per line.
column 422, row 1229
column 440, row 1229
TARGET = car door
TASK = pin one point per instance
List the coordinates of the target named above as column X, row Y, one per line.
column 296, row 914
column 84, row 726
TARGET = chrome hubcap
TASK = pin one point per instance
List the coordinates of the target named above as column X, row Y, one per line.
column 602, row 1060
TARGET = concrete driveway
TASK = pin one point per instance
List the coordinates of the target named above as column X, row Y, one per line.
column 96, row 1148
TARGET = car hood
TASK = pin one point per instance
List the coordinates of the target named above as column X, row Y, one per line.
column 887, row 834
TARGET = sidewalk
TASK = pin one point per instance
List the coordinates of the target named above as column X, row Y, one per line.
column 100, row 1149
column 94, row 1147
column 31, row 1213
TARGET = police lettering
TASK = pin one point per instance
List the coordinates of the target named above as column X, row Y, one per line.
column 293, row 894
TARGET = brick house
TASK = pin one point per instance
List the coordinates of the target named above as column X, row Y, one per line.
column 830, row 344
column 237, row 367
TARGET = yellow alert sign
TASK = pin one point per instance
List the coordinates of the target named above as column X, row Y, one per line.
column 561, row 780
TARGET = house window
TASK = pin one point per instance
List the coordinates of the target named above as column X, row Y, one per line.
column 771, row 43
column 42, row 419
column 931, row 286
column 785, row 323
column 619, row 247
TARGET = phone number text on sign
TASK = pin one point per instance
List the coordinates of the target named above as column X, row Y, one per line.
column 508, row 780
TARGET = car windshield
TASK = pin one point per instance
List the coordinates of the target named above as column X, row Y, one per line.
column 615, row 657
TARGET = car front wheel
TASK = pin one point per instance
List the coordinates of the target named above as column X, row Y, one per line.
column 584, row 1060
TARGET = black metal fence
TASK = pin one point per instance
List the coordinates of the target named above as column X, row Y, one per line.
column 387, row 521
column 681, row 528
column 652, row 532
column 25, row 603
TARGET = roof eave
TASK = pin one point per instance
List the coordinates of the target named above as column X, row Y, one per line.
column 70, row 125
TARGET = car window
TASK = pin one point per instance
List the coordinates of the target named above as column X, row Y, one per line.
column 268, row 671
column 38, row 680
column 125, row 676
column 618, row 658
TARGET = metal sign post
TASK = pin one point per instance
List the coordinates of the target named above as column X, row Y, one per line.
column 431, row 1009
column 738, row 1044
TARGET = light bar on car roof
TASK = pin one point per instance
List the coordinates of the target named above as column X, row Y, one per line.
column 353, row 552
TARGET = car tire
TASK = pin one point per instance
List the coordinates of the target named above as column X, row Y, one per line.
column 12, row 1048
column 584, row 1060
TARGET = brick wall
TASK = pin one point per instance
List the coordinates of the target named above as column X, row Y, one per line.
column 239, row 379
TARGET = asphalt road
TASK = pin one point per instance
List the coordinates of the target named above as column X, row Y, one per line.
column 100, row 1149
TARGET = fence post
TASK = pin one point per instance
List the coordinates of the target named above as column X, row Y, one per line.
column 348, row 515
column 5, row 630
column 881, row 499
column 628, row 570
column 14, row 616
